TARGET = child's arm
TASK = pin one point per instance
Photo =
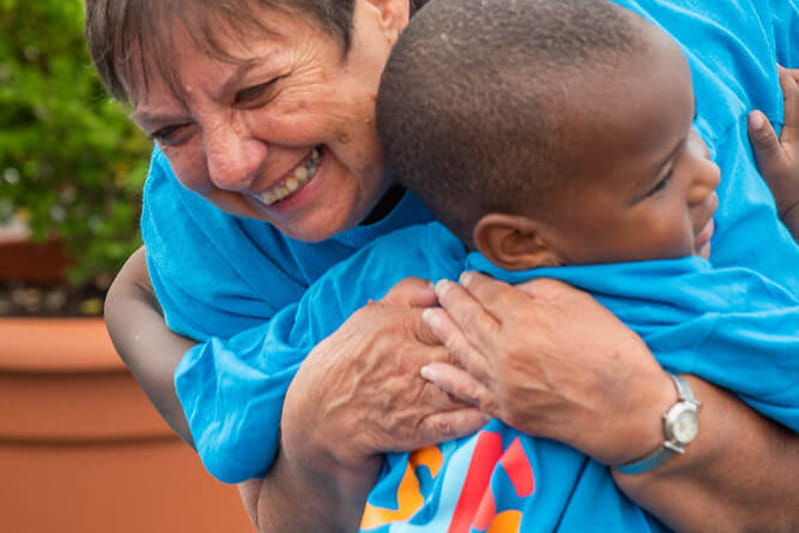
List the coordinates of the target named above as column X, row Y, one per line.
column 778, row 159
column 136, row 326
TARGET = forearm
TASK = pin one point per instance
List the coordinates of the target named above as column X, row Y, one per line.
column 308, row 487
column 738, row 475
column 149, row 349
column 295, row 499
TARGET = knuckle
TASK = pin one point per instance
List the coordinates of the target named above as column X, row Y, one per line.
column 465, row 314
column 511, row 418
column 362, row 315
column 474, row 394
column 768, row 141
column 546, row 288
column 444, row 426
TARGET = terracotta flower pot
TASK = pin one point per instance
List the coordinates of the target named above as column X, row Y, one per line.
column 83, row 451
column 23, row 259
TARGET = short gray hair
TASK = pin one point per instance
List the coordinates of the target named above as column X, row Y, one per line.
column 130, row 40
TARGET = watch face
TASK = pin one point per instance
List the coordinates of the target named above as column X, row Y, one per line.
column 684, row 426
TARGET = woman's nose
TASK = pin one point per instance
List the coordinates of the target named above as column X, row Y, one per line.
column 234, row 156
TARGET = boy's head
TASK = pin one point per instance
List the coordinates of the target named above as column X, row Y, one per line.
column 548, row 133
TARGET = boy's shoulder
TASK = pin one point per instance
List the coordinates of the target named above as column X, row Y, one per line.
column 426, row 250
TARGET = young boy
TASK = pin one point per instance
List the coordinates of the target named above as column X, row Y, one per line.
column 543, row 134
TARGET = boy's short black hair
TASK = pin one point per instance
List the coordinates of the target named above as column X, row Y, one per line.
column 475, row 99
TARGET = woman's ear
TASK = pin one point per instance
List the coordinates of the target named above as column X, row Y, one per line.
column 514, row 242
column 393, row 15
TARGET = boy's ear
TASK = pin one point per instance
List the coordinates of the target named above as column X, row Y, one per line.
column 393, row 14
column 513, row 242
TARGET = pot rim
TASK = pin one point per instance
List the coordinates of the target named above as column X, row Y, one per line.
column 57, row 345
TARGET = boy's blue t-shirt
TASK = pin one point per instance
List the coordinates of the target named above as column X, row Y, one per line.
column 729, row 326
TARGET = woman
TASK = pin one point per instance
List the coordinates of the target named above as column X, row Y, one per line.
column 265, row 109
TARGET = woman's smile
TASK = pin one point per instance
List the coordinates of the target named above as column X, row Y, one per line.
column 293, row 181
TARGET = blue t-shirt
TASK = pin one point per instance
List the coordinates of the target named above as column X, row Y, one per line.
column 255, row 271
column 729, row 326
column 216, row 274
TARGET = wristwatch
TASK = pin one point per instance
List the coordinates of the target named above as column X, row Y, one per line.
column 680, row 426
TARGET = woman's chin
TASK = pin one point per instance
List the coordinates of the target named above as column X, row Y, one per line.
column 312, row 225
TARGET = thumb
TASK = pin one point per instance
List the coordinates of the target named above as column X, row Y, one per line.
column 411, row 292
column 768, row 152
column 789, row 83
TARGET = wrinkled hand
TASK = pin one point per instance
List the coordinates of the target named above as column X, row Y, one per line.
column 778, row 159
column 359, row 393
column 549, row 360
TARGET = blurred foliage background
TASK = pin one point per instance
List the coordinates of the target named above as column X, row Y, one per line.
column 72, row 165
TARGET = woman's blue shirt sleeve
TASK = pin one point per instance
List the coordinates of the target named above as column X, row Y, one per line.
column 232, row 391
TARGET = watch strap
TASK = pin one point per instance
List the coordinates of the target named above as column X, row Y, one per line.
column 666, row 450
column 662, row 454
column 684, row 391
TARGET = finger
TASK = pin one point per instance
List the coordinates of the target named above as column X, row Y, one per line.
column 547, row 289
column 400, row 326
column 496, row 296
column 460, row 384
column 768, row 152
column 456, row 343
column 477, row 322
column 789, row 82
column 441, row 427
column 412, row 292
column 424, row 334
column 791, row 71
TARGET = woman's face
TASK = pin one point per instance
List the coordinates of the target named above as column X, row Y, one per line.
column 287, row 134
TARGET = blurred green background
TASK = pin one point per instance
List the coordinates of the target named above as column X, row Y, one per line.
column 71, row 163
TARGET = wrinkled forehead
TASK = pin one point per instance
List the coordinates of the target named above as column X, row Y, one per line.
column 155, row 38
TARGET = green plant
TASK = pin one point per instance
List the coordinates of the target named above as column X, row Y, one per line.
column 71, row 164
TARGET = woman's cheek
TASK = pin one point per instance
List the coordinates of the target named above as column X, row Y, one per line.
column 188, row 164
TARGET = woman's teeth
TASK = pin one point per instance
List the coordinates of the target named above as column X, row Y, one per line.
column 302, row 175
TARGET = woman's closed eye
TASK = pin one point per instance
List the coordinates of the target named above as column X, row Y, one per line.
column 171, row 135
column 256, row 94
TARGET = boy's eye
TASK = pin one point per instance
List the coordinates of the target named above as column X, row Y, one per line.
column 253, row 94
column 661, row 184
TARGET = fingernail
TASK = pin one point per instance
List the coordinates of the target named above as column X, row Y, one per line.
column 428, row 373
column 430, row 317
column 756, row 121
column 442, row 286
column 466, row 277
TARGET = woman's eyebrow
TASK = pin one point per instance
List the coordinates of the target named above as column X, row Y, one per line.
column 243, row 66
column 148, row 117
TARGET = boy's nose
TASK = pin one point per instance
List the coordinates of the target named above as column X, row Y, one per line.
column 706, row 180
column 234, row 157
